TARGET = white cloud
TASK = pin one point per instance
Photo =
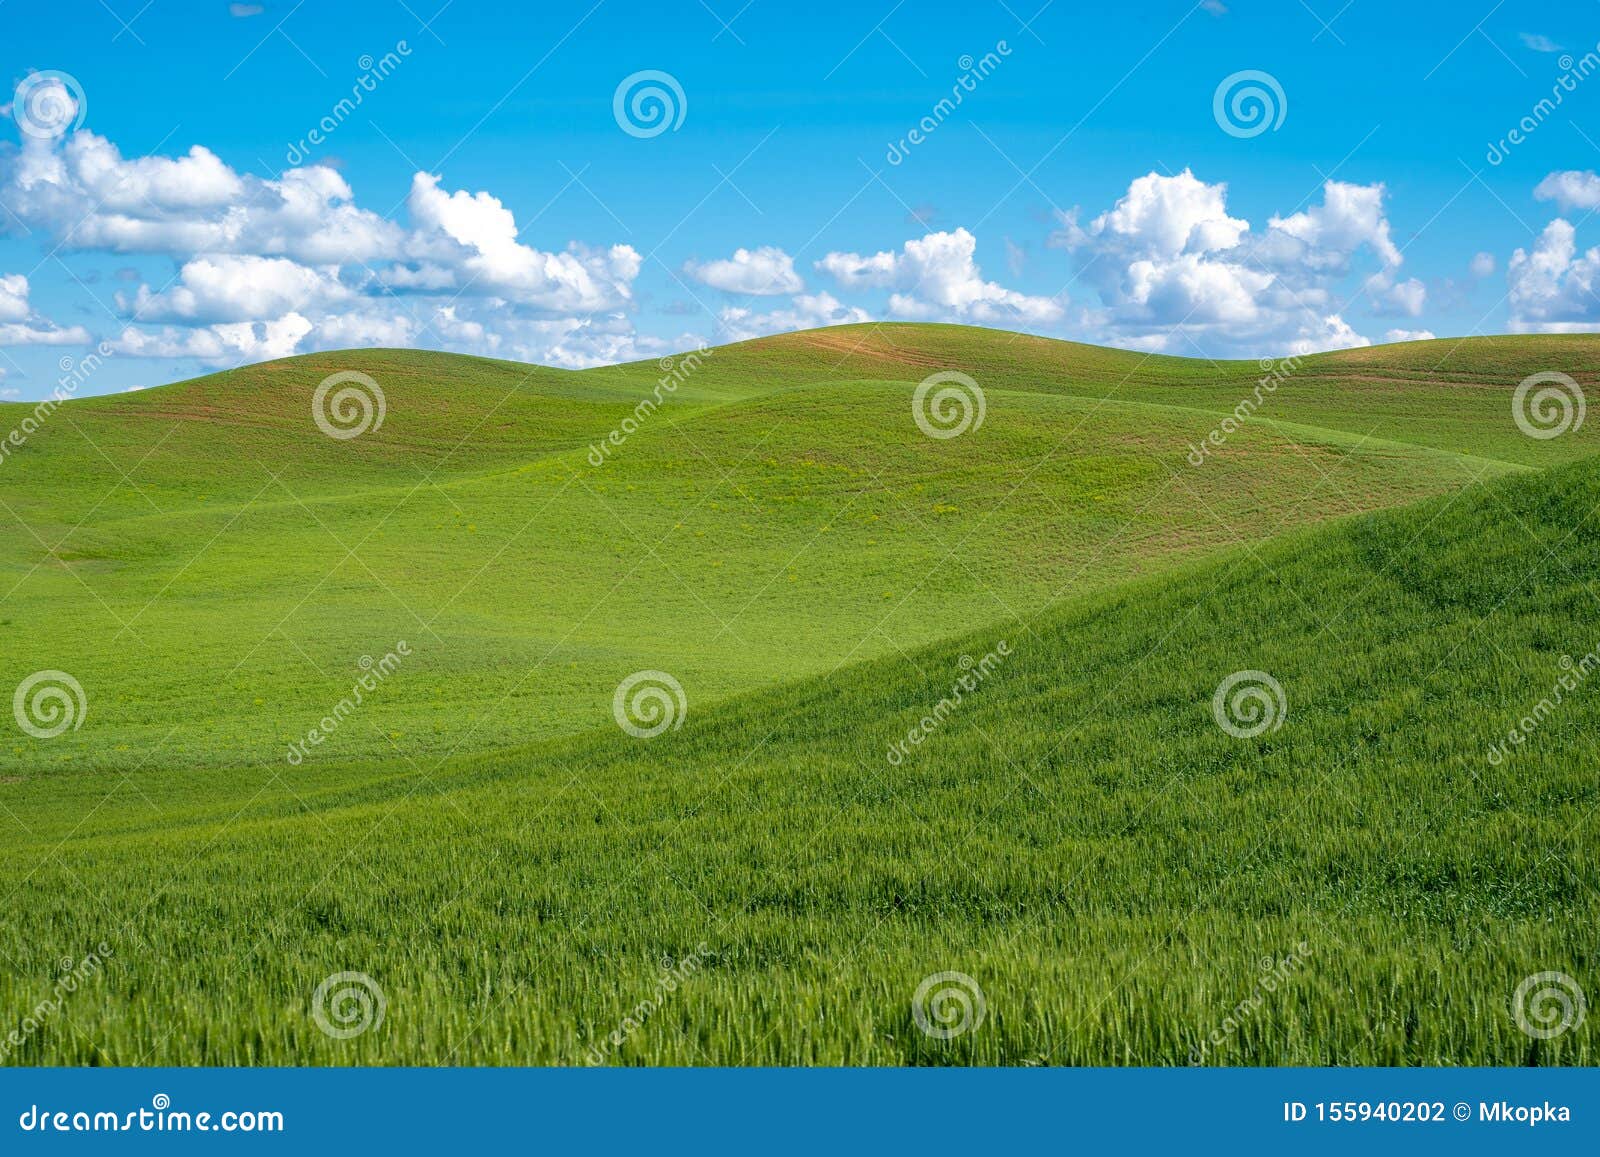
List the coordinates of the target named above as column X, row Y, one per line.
column 1552, row 287
column 227, row 288
column 21, row 325
column 1570, row 189
column 468, row 242
column 13, row 297
column 243, row 341
column 1396, row 298
column 268, row 267
column 767, row 271
column 1482, row 265
column 373, row 327
column 1176, row 272
column 198, row 180
column 86, row 195
column 1164, row 217
column 1350, row 216
column 1539, row 42
column 1408, row 335
column 806, row 311
column 936, row 278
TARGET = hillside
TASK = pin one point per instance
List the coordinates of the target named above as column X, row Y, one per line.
column 1118, row 873
column 212, row 568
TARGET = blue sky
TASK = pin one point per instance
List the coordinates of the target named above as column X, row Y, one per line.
column 165, row 196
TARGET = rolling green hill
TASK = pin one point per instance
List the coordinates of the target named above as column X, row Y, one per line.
column 1124, row 879
column 212, row 568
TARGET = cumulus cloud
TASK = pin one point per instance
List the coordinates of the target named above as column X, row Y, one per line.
column 13, row 297
column 767, row 271
column 243, row 341
column 266, row 268
column 1174, row 270
column 468, row 242
column 1570, row 189
column 1552, row 286
column 935, row 278
column 1392, row 298
column 1482, row 265
column 227, row 288
column 20, row 324
column 806, row 311
column 84, row 193
column 1408, row 335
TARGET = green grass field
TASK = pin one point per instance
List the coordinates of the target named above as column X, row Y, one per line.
column 1125, row 881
